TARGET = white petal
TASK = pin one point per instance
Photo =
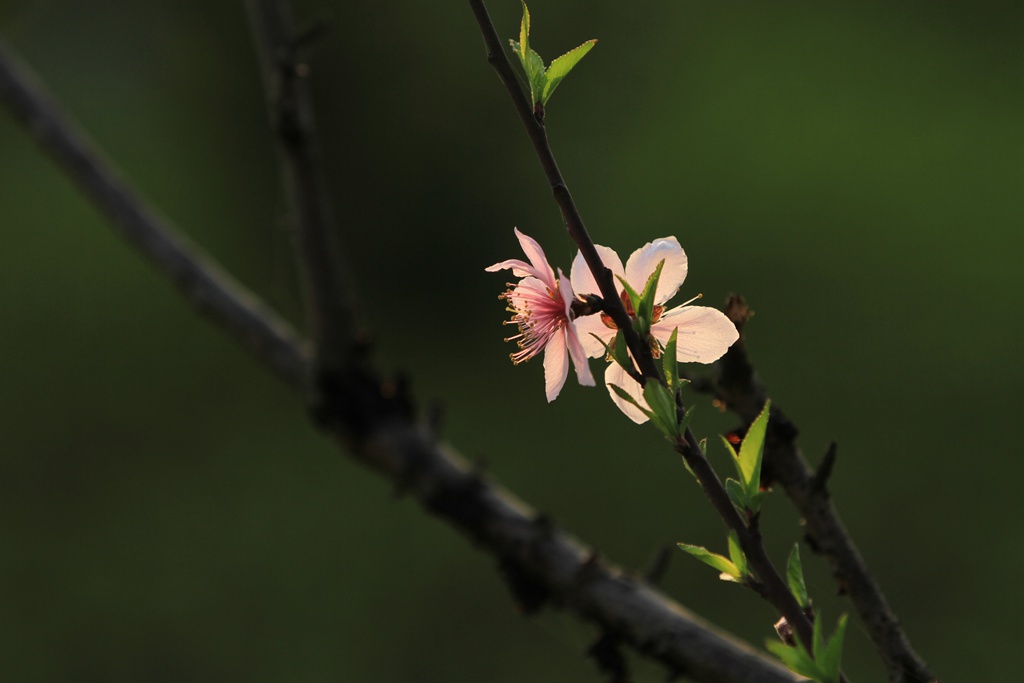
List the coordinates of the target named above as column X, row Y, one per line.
column 536, row 255
column 705, row 333
column 583, row 281
column 587, row 327
column 643, row 261
column 556, row 366
column 616, row 375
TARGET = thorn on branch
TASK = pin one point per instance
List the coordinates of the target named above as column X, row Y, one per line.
column 435, row 418
column 813, row 544
column 820, row 481
column 606, row 651
column 528, row 594
column 656, row 572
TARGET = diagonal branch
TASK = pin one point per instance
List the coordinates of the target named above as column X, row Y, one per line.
column 740, row 388
column 381, row 433
column 194, row 274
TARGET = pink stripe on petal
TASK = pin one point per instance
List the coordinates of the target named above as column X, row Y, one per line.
column 535, row 254
column 556, row 365
column 518, row 267
column 579, row 358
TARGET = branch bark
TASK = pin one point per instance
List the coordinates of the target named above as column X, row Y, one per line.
column 379, row 430
column 739, row 387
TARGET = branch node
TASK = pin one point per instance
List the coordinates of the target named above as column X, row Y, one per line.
column 785, row 632
column 820, row 481
column 590, row 569
column 737, row 311
column 656, row 572
column 529, row 594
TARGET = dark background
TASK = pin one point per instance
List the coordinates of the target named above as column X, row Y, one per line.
column 855, row 170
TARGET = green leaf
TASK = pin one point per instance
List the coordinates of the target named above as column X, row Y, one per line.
column 736, row 554
column 752, row 451
column 735, row 458
column 670, row 362
column 737, row 494
column 561, row 67
column 795, row 658
column 713, row 560
column 663, row 406
column 646, row 308
column 624, row 395
column 831, row 661
column 684, row 424
column 543, row 81
column 795, row 577
column 817, row 640
column 620, row 352
column 533, row 65
column 690, row 470
column 524, row 28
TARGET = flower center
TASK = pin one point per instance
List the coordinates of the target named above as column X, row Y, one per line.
column 539, row 314
column 628, row 305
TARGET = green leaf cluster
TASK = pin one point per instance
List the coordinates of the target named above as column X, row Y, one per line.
column 824, row 663
column 543, row 81
column 746, row 493
column 662, row 405
column 661, row 408
column 733, row 568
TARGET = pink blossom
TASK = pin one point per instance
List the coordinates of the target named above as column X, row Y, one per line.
column 540, row 304
column 705, row 334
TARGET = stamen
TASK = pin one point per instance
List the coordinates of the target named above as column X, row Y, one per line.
column 687, row 303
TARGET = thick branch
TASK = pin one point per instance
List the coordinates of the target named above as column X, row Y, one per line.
column 382, row 434
column 741, row 389
column 329, row 305
column 193, row 273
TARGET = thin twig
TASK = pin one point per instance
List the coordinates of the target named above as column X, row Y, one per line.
column 774, row 588
column 739, row 387
column 329, row 304
column 382, row 435
column 570, row 214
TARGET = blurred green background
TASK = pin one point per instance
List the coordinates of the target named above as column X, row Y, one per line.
column 854, row 169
